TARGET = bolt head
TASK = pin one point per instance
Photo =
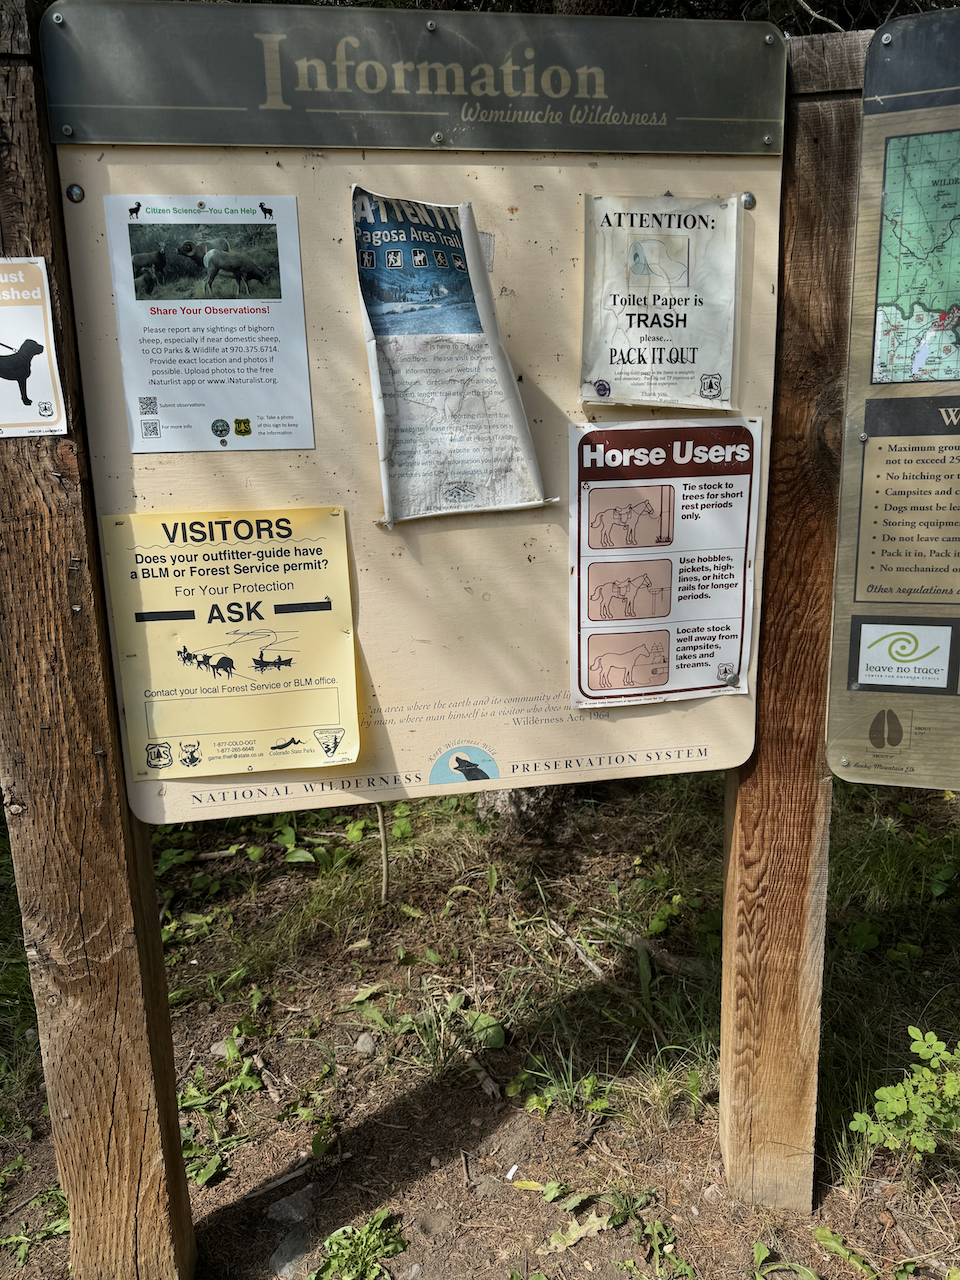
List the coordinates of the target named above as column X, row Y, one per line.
column 844, row 761
column 431, row 26
column 75, row 193
column 66, row 131
column 886, row 38
column 768, row 39
column 748, row 200
column 57, row 18
column 767, row 139
column 437, row 137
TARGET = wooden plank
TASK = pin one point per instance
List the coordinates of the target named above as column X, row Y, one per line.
column 14, row 31
column 776, row 874
column 82, row 864
column 828, row 63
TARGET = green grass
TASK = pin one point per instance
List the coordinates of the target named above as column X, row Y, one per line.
column 468, row 913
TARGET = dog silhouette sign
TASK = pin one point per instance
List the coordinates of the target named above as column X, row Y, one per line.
column 31, row 399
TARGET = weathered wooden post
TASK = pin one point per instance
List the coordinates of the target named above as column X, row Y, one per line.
column 779, row 816
column 82, row 863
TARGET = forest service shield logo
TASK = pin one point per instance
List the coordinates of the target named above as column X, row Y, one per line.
column 159, row 755
column 241, row 426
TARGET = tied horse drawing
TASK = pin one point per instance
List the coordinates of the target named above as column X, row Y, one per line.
column 625, row 591
column 626, row 518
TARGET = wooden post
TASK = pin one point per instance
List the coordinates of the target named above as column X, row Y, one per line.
column 82, row 863
column 779, row 815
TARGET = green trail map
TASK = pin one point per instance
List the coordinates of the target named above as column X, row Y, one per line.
column 918, row 281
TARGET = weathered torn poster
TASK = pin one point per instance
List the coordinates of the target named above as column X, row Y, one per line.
column 661, row 301
column 451, row 426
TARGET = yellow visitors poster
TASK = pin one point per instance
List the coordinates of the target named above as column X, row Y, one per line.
column 234, row 631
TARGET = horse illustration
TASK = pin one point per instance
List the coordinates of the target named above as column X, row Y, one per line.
column 629, row 592
column 652, row 658
column 604, row 663
column 225, row 667
column 629, row 517
column 604, row 596
column 625, row 517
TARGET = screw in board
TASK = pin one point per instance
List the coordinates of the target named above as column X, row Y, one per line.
column 57, row 18
column 748, row 200
column 767, row 139
column 844, row 761
column 437, row 137
column 864, row 437
column 66, row 131
column 886, row 38
column 732, row 679
column 768, row 39
column 431, row 26
column 75, row 193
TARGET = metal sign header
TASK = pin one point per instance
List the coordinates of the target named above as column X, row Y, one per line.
column 126, row 71
column 912, row 64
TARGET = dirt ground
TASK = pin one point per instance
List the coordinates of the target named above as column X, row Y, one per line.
column 442, row 1156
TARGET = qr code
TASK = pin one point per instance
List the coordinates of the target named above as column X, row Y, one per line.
column 148, row 404
column 150, row 428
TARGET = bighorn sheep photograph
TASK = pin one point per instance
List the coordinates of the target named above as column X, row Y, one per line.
column 207, row 260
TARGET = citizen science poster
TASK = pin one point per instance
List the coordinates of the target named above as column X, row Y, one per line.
column 663, row 531
column 209, row 304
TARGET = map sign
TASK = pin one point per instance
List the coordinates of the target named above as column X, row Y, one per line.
column 918, row 281
column 895, row 655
